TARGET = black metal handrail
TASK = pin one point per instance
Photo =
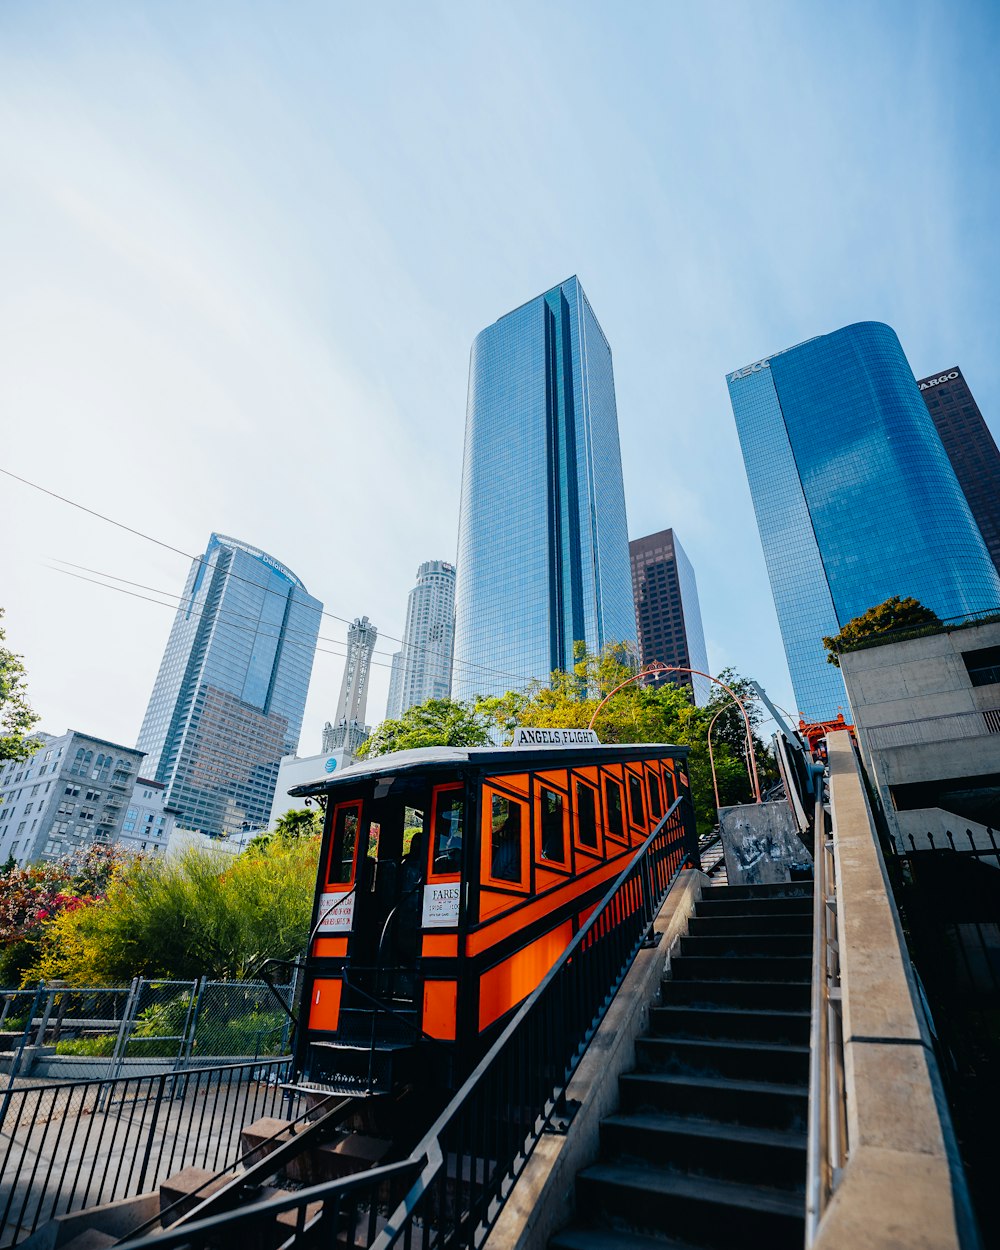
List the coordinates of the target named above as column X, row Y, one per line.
column 458, row 1175
column 261, row 1150
column 484, row 1137
column 79, row 1144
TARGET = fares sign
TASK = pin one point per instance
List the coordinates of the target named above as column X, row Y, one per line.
column 556, row 738
column 441, row 905
column 336, row 913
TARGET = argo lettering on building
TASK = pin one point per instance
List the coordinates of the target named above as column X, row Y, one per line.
column 927, row 383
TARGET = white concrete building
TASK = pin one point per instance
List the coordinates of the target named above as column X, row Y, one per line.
column 296, row 771
column 71, row 793
column 148, row 822
column 428, row 639
column 348, row 730
column 184, row 840
column 927, row 713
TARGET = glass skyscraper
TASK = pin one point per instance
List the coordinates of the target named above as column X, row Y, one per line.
column 856, row 499
column 971, row 449
column 667, row 612
column 228, row 699
column 543, row 557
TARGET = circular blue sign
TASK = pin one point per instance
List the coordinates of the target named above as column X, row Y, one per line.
column 331, row 765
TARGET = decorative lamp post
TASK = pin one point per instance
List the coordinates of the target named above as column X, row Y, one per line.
column 656, row 666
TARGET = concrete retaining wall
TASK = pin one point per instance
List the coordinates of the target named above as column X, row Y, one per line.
column 903, row 1185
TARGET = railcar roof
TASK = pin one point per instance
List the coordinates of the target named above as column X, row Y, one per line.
column 508, row 758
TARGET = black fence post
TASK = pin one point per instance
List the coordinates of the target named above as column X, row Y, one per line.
column 161, row 1083
column 690, row 832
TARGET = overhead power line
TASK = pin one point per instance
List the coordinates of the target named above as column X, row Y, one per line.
column 159, row 542
column 248, row 629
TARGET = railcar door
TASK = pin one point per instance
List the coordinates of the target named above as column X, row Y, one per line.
column 385, row 942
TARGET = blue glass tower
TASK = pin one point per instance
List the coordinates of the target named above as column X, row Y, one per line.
column 855, row 496
column 543, row 556
column 228, row 700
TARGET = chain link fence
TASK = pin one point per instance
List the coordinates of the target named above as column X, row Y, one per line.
column 58, row 1032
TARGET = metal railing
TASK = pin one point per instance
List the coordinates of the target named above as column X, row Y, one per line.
column 948, row 728
column 826, row 1144
column 450, row 1190
column 950, row 843
column 71, row 1146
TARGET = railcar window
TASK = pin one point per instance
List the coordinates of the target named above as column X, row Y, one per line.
column 635, row 803
column 449, row 826
column 553, row 828
column 613, row 798
column 669, row 779
column 505, row 846
column 586, row 813
column 345, row 837
column 655, row 806
column 413, row 823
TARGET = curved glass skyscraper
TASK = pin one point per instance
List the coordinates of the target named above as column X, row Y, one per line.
column 855, row 496
column 228, row 699
column 543, row 557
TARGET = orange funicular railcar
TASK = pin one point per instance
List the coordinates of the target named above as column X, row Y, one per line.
column 450, row 881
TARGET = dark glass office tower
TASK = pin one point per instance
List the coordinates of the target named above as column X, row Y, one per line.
column 971, row 449
column 228, row 699
column 856, row 499
column 542, row 541
column 667, row 613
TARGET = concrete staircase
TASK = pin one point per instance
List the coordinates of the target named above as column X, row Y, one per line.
column 708, row 1146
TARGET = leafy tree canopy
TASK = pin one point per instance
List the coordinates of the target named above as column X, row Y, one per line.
column 304, row 822
column 892, row 616
column 644, row 713
column 201, row 914
column 436, row 723
column 17, row 717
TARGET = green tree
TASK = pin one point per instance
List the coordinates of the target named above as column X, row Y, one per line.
column 17, row 717
column 436, row 723
column 894, row 616
column 641, row 712
column 201, row 914
column 304, row 822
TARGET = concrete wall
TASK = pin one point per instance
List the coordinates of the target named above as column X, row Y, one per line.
column 903, row 1183
column 905, row 683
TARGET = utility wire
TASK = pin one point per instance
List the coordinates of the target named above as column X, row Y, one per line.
column 182, row 602
column 194, row 612
column 236, row 576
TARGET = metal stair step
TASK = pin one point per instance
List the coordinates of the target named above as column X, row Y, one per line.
column 578, row 1238
column 731, row 1023
column 752, row 1155
column 718, row 1099
column 696, row 1208
column 713, row 926
column 748, row 1060
column 746, row 967
column 773, row 889
column 740, row 945
column 767, row 995
column 707, row 906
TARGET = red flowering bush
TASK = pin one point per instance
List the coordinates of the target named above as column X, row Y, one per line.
column 32, row 897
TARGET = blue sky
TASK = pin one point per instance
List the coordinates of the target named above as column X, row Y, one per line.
column 246, row 248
